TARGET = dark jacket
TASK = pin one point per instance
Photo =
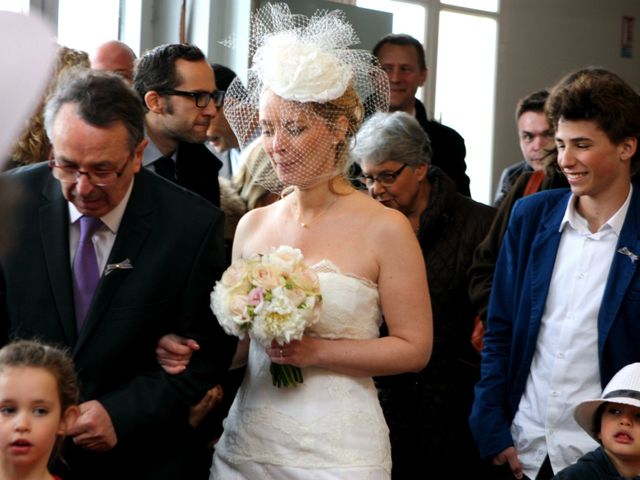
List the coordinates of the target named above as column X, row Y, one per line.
column 508, row 178
column 448, row 149
column 426, row 411
column 197, row 170
column 173, row 239
column 594, row 465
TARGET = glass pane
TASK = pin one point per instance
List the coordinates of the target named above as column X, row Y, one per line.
column 465, row 90
column 486, row 5
column 17, row 6
column 75, row 31
column 407, row 17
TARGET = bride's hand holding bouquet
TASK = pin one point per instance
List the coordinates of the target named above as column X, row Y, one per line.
column 274, row 297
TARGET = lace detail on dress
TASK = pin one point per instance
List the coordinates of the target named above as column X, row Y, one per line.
column 328, row 266
column 350, row 305
column 331, row 421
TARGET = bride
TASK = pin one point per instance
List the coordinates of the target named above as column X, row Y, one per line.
column 367, row 258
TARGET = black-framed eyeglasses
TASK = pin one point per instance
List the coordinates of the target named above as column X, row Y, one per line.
column 202, row 99
column 70, row 174
column 385, row 179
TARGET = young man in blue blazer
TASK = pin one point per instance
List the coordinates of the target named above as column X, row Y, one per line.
column 565, row 303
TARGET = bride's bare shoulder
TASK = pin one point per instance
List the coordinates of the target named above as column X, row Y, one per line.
column 377, row 215
column 255, row 224
column 261, row 214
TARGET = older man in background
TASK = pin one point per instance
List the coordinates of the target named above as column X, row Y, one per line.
column 114, row 56
column 536, row 141
column 402, row 57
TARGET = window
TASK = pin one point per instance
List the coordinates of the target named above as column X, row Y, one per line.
column 17, row 6
column 465, row 90
column 486, row 5
column 461, row 82
column 407, row 17
column 78, row 27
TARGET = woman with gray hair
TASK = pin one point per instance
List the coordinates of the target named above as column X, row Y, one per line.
column 427, row 411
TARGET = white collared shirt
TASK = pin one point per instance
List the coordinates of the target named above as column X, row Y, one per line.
column 105, row 236
column 565, row 367
column 151, row 154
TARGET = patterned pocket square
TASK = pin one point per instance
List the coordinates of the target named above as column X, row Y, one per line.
column 123, row 265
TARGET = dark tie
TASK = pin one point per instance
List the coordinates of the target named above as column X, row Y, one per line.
column 85, row 269
column 166, row 167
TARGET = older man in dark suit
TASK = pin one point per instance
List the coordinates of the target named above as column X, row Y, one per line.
column 106, row 258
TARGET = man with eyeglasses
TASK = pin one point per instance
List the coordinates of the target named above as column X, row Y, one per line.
column 402, row 57
column 106, row 258
column 178, row 89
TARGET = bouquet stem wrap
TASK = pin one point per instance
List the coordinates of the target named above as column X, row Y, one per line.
column 274, row 297
column 285, row 375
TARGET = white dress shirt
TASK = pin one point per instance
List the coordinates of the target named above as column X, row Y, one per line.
column 565, row 367
column 105, row 236
column 151, row 154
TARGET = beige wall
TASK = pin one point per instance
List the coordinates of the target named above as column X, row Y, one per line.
column 540, row 41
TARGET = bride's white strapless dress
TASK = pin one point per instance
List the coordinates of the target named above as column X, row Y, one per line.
column 329, row 427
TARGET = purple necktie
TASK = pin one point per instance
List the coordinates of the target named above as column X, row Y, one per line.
column 85, row 268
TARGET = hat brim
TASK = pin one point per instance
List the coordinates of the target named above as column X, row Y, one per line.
column 586, row 410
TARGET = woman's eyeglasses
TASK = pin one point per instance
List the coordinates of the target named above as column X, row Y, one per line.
column 385, row 179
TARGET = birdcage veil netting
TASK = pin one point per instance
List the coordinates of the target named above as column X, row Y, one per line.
column 307, row 93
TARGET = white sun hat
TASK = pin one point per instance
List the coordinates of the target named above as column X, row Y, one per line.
column 623, row 388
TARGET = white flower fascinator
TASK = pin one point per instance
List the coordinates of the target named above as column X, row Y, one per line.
column 300, row 71
column 303, row 59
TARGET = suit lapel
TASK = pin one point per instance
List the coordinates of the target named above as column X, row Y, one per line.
column 132, row 234
column 543, row 258
column 622, row 270
column 197, row 170
column 54, row 228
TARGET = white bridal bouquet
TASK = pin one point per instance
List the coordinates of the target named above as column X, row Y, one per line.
column 274, row 297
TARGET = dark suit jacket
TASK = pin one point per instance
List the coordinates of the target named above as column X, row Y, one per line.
column 448, row 149
column 174, row 240
column 197, row 170
column 518, row 298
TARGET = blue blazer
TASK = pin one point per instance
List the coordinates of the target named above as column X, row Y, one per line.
column 518, row 296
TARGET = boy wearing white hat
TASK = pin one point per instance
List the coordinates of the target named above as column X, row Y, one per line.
column 614, row 421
